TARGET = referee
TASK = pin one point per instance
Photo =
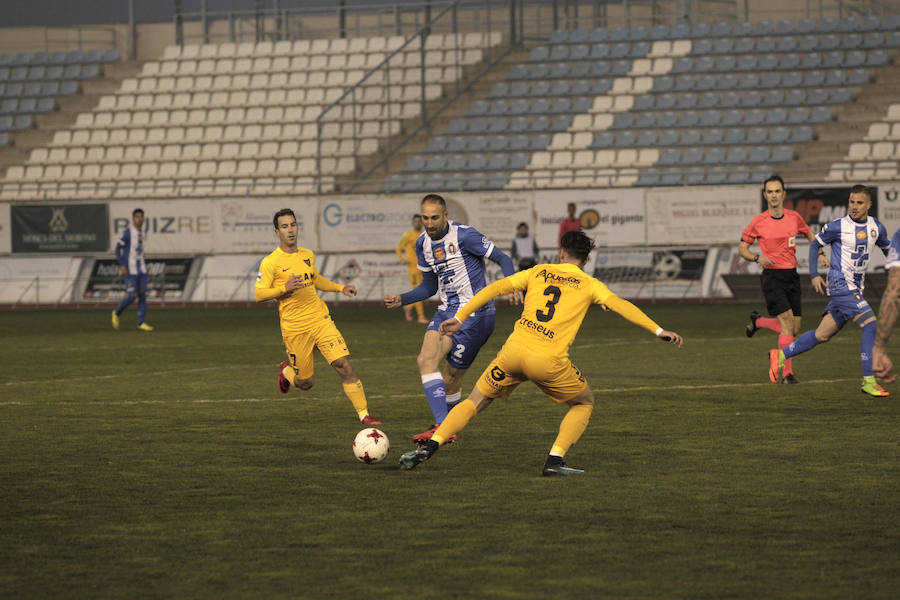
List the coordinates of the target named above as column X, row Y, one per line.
column 776, row 230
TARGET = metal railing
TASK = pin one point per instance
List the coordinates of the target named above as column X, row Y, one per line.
column 78, row 37
column 410, row 64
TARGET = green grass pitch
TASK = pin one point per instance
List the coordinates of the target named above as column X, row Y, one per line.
column 168, row 465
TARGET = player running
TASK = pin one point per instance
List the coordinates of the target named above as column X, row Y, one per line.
column 289, row 275
column 556, row 300
column 852, row 239
column 451, row 259
column 130, row 256
column 406, row 253
column 777, row 229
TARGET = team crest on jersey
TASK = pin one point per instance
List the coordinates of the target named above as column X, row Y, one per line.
column 873, row 232
column 861, row 235
column 308, row 262
column 439, row 254
column 451, row 248
column 485, row 242
column 792, row 241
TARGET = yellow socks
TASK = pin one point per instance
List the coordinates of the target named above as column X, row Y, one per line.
column 357, row 396
column 571, row 428
column 455, row 421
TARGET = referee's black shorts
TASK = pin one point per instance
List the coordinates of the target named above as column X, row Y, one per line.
column 781, row 289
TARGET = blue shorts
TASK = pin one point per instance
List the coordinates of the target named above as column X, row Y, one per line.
column 135, row 284
column 846, row 307
column 468, row 340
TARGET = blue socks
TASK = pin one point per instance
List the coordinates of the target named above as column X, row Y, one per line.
column 436, row 394
column 126, row 301
column 806, row 341
column 865, row 347
column 142, row 308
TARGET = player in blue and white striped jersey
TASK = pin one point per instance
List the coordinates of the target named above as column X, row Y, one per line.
column 853, row 238
column 130, row 255
column 451, row 259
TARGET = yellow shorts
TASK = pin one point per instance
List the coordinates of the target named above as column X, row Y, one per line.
column 300, row 346
column 557, row 377
column 415, row 275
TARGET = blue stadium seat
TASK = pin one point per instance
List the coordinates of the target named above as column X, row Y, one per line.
column 734, row 135
column 646, row 102
column 707, row 64
column 618, row 34
column 782, row 154
column 620, row 50
column 519, row 142
column 874, row 39
column 660, row 32
column 713, row 136
column 558, row 70
column 669, row 156
column 717, row 175
column 702, row 47
column 759, row 154
column 582, row 104
column 541, row 123
column 798, row 115
column 744, row 62
column 599, row 52
column 603, row 139
column 833, row 59
column 724, row 45
column 579, row 36
column 835, row 77
column 856, row 58
column 519, row 71
column 647, row 138
column 21, row 59
column 688, row 118
column 72, row 72
column 477, row 143
column 393, row 184
column 732, row 117
column 830, row 41
column 18, row 74
column 620, row 68
column 455, row 162
column 774, row 97
column 691, row 137
column 779, row 135
column 739, row 174
column 498, row 143
column 559, row 88
column 851, row 41
column 68, row 88
column 663, row 83
column 683, row 64
column 839, row 95
column 810, row 60
column 793, row 97
column 497, row 108
column 807, row 43
column 720, row 29
column 710, row 118
column 622, row 121
column 825, row 25
column 684, row 83
column 433, row 163
column 457, row 143
column 867, row 23
column 626, row 139
column 820, row 114
column 540, row 141
column 6, row 122
column 751, row 98
column 475, row 181
column 763, row 28
column 476, row 162
column 813, row 78
column 801, row 134
column 736, row 155
column 775, row 115
column 729, row 99
column 537, row 71
column 692, row 156
column 669, row 137
column 639, row 49
column 497, row 181
column 694, row 176
column 857, row 77
column 49, row 88
column 560, row 106
column 667, row 119
column 599, row 68
column 437, row 144
column 714, row 155
column 757, row 135
column 558, row 53
column 708, row 100
column 479, row 108
column 9, row 106
column 600, row 34
column 680, row 31
column 639, row 33
column 13, row 90
column 686, row 100
column 877, row 58
column 700, row 30
column 539, row 106
column 648, row 177
column 499, row 90
column 672, row 177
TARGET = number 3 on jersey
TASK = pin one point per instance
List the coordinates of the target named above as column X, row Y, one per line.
column 554, row 293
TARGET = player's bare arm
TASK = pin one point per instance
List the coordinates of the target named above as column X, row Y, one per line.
column 349, row 291
column 746, row 254
column 887, row 317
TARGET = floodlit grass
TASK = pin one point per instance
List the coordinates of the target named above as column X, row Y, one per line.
column 168, row 465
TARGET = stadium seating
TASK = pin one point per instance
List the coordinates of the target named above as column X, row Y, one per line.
column 226, row 119
column 698, row 96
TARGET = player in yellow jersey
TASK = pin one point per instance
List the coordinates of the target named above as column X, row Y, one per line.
column 289, row 275
column 556, row 300
column 406, row 253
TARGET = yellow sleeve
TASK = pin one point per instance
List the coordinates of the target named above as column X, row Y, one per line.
column 507, row 285
column 630, row 312
column 264, row 279
column 326, row 285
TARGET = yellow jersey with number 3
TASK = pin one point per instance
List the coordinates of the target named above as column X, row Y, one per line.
column 557, row 297
column 302, row 309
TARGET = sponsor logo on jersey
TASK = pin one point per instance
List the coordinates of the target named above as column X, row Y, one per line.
column 497, row 374
column 308, row 262
column 568, row 280
column 861, row 234
column 439, row 254
column 542, row 329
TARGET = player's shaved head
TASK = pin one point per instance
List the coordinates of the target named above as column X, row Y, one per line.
column 577, row 245
column 861, row 189
column 436, row 199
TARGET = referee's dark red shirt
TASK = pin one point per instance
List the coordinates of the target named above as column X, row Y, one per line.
column 777, row 237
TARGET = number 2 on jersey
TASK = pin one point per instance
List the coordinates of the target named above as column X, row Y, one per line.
column 554, row 293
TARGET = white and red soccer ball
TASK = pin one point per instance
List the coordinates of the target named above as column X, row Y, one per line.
column 371, row 445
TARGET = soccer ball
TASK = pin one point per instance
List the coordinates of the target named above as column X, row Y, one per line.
column 371, row 445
